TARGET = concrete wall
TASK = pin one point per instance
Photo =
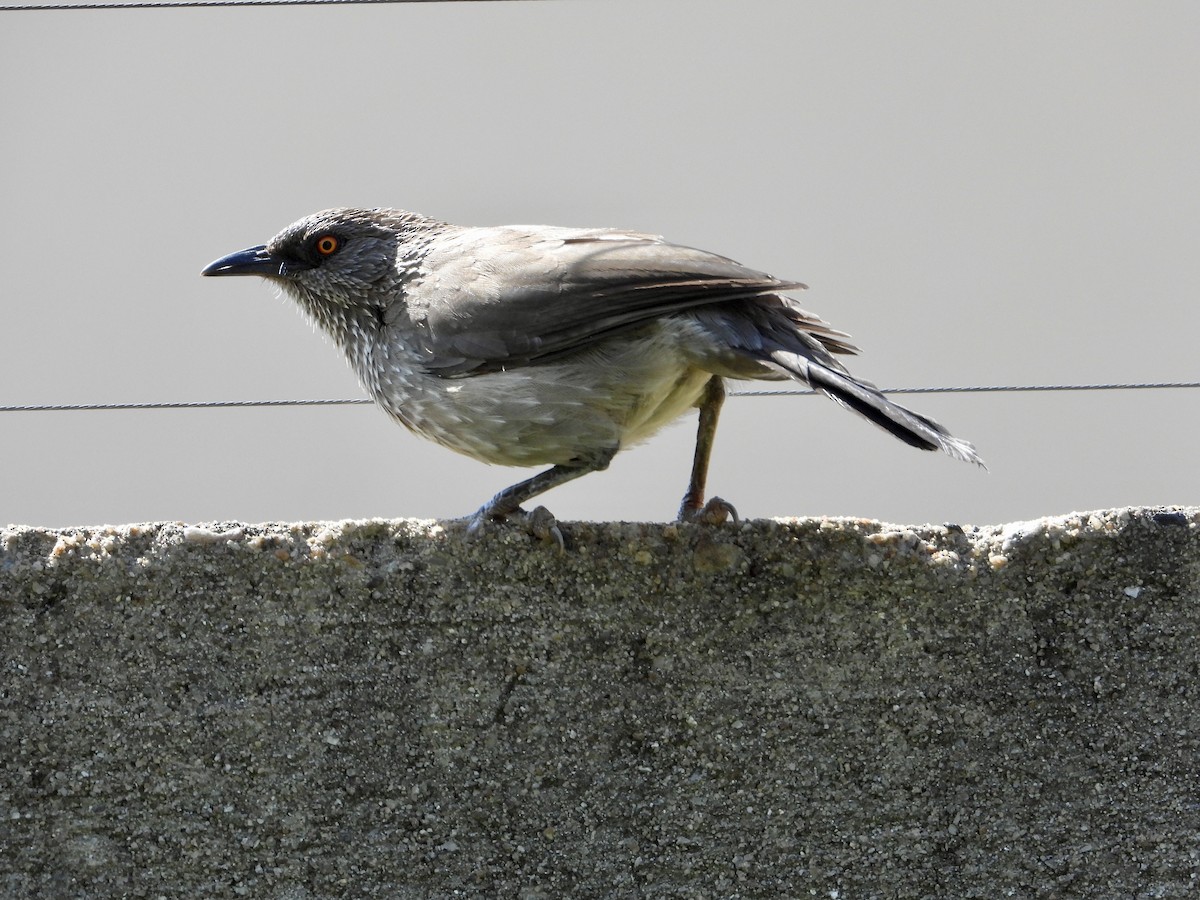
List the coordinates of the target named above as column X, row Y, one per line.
column 834, row 708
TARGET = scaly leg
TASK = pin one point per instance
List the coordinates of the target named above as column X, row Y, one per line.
column 693, row 508
column 506, row 505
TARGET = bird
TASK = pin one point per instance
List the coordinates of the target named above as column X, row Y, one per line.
column 535, row 345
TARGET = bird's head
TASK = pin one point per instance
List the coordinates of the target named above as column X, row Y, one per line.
column 335, row 258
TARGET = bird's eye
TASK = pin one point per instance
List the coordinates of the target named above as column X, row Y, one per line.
column 327, row 244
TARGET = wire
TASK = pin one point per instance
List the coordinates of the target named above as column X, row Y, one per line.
column 990, row 389
column 195, row 404
column 363, row 401
column 194, row 4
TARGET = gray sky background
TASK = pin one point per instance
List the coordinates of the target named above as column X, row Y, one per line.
column 980, row 193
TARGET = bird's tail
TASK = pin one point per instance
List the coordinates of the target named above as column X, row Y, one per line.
column 862, row 397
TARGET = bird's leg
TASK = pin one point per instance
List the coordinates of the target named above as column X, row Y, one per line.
column 693, row 508
column 506, row 505
column 509, row 500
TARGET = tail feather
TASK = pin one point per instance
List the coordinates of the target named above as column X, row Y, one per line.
column 863, row 398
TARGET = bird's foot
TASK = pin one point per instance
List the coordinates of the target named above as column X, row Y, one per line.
column 539, row 523
column 715, row 512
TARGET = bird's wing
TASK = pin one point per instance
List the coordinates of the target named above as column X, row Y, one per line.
column 495, row 298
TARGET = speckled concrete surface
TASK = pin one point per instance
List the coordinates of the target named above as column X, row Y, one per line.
column 834, row 708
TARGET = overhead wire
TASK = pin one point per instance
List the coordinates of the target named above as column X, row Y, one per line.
column 363, row 401
column 995, row 389
column 194, row 4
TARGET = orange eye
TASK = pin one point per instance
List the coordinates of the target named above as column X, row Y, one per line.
column 327, row 245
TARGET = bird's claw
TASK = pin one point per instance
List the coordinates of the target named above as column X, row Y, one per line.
column 540, row 523
column 543, row 526
column 715, row 512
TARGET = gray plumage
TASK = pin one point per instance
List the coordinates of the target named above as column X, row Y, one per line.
column 535, row 345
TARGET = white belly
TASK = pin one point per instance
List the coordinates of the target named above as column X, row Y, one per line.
column 613, row 396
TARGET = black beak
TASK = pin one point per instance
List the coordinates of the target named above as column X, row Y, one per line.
column 254, row 261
